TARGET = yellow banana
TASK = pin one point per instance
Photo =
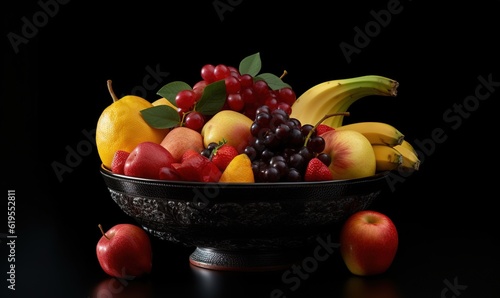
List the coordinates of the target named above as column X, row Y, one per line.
column 378, row 133
column 387, row 158
column 411, row 162
column 336, row 96
column 408, row 145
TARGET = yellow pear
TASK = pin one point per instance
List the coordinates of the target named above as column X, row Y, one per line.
column 121, row 126
column 229, row 125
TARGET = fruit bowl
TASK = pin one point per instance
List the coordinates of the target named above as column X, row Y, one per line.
column 238, row 226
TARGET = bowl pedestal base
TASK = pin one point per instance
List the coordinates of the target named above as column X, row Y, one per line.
column 251, row 260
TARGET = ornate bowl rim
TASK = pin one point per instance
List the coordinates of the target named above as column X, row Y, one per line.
column 107, row 172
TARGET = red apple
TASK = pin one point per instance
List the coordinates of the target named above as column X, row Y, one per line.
column 146, row 160
column 124, row 251
column 368, row 242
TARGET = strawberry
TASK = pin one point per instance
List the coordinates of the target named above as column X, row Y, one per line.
column 119, row 161
column 169, row 173
column 188, row 153
column 196, row 167
column 322, row 128
column 317, row 171
column 222, row 155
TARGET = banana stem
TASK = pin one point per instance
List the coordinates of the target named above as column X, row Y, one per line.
column 321, row 120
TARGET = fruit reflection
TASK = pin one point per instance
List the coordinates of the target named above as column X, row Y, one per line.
column 122, row 288
column 370, row 287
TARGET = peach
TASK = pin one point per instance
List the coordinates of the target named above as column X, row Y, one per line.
column 180, row 139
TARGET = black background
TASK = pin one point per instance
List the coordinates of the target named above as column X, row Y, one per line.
column 54, row 89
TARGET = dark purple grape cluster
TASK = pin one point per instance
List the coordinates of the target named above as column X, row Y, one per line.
column 282, row 147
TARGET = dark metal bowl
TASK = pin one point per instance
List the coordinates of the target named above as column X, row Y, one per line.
column 237, row 226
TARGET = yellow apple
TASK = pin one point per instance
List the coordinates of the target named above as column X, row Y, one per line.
column 351, row 152
column 232, row 126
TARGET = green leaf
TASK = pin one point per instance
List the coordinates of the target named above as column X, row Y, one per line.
column 213, row 98
column 161, row 116
column 251, row 65
column 170, row 90
column 274, row 82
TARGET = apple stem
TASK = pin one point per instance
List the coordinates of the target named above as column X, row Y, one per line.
column 110, row 89
column 102, row 231
column 321, row 120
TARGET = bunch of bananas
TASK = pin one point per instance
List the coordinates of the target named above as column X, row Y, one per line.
column 392, row 151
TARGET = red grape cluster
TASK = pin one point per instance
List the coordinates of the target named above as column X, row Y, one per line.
column 244, row 93
column 185, row 101
column 282, row 147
